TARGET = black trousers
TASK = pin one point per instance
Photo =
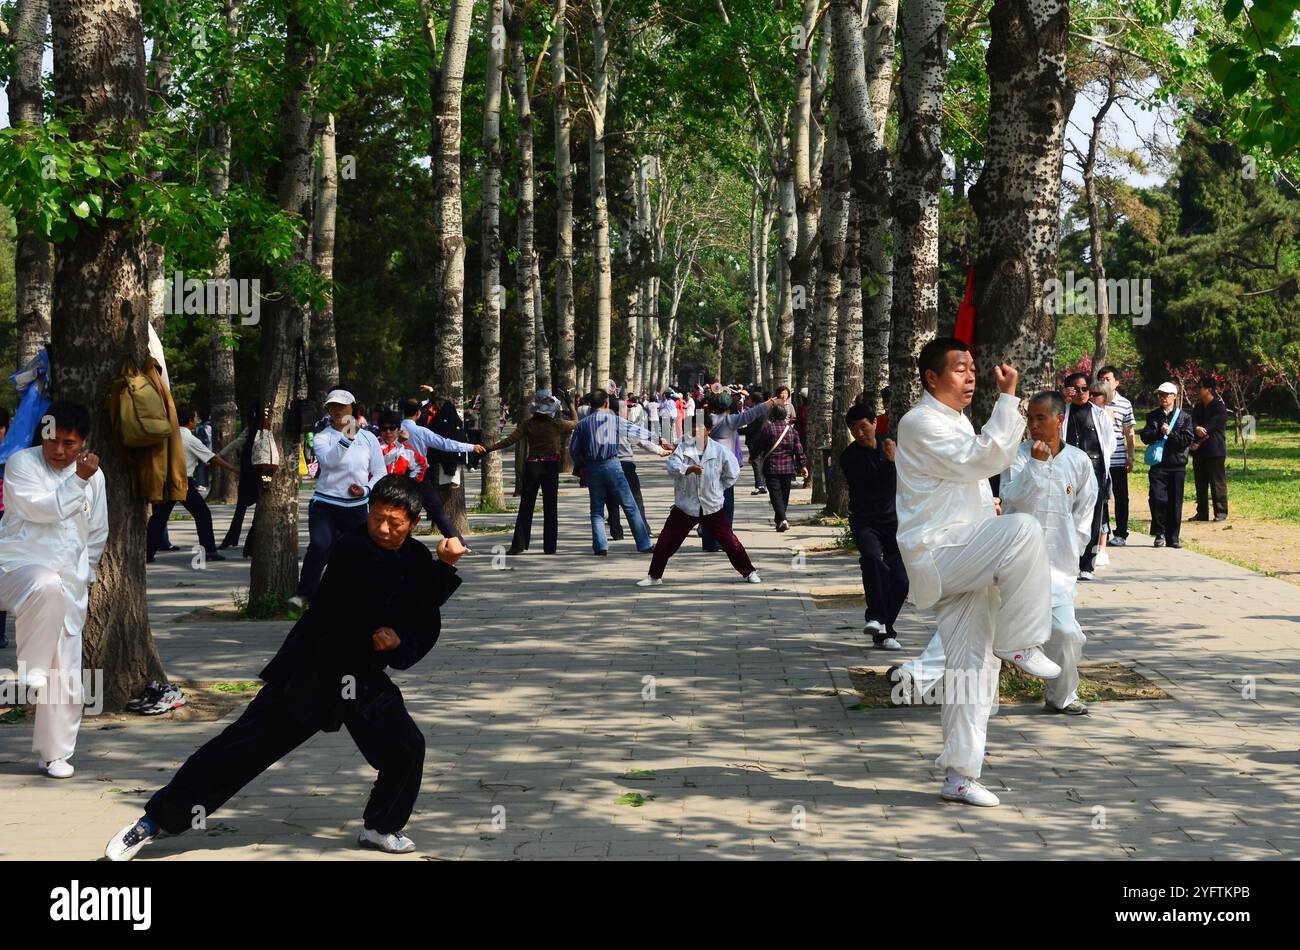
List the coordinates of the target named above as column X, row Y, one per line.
column 1088, row 560
column 267, row 731
column 1166, row 497
column 433, row 505
column 198, row 509
column 884, row 578
column 544, row 476
column 325, row 525
column 1211, row 479
column 611, row 507
column 778, row 493
column 711, row 542
column 1119, row 492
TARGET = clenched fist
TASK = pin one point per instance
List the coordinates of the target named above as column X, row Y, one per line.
column 1006, row 376
column 87, row 465
column 450, row 550
column 1040, row 451
column 385, row 638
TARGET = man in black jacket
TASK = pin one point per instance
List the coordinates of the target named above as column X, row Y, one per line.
column 869, row 473
column 378, row 606
column 1172, row 426
column 1210, row 451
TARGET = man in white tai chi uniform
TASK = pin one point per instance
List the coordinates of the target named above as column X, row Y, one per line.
column 1057, row 484
column 961, row 557
column 54, row 530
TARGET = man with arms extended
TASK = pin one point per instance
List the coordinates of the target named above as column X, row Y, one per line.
column 961, row 557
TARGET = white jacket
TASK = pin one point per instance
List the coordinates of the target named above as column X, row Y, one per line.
column 1105, row 430
column 943, row 469
column 344, row 463
column 1061, row 493
column 55, row 519
column 693, row 493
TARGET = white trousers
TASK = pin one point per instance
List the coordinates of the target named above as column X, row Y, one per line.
column 48, row 624
column 996, row 595
column 1065, row 648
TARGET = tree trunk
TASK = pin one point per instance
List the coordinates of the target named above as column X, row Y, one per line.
column 918, row 177
column 789, row 243
column 539, row 320
column 324, row 359
column 807, row 196
column 764, row 308
column 1102, row 346
column 491, row 492
column 1017, row 197
column 834, row 226
column 223, row 408
column 274, row 574
column 33, row 272
column 565, row 367
column 101, row 312
column 599, row 195
column 159, row 80
column 877, row 219
column 848, row 359
column 524, row 215
column 449, row 236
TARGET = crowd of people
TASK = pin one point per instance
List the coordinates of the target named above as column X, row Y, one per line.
column 992, row 531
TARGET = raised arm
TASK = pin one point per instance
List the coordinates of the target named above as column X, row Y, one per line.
column 25, row 493
column 97, row 536
column 936, row 448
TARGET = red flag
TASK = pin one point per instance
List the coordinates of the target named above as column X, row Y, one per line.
column 965, row 330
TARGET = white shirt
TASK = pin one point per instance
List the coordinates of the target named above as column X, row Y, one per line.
column 55, row 519
column 651, row 410
column 359, row 461
column 196, row 453
column 701, row 494
column 1061, row 493
column 668, row 408
column 943, row 469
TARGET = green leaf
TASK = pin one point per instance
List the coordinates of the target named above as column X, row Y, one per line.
column 1232, row 9
column 91, row 169
column 81, row 209
column 1240, row 78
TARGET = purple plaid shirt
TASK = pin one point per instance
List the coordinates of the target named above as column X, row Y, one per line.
column 788, row 457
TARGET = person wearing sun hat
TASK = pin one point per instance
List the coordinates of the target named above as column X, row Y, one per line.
column 351, row 461
column 544, row 432
column 1168, row 435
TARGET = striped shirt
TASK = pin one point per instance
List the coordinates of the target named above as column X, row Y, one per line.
column 1123, row 419
column 598, row 435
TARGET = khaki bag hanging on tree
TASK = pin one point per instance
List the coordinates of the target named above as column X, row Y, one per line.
column 141, row 410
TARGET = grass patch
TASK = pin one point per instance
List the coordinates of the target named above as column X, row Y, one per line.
column 10, row 716
column 635, row 799
column 264, row 607
column 486, row 506
column 490, row 528
column 241, row 686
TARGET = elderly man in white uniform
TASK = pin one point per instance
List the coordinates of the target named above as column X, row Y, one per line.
column 54, row 530
column 1057, row 484
column 961, row 557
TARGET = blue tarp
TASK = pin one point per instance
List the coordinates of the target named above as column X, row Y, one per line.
column 31, row 382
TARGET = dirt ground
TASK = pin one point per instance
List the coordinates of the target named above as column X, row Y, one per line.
column 205, row 701
column 1272, row 547
column 1098, row 682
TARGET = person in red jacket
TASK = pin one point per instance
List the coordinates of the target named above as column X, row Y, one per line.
column 400, row 457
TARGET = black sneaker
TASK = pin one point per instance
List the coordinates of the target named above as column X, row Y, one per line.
column 150, row 696
column 1159, row 542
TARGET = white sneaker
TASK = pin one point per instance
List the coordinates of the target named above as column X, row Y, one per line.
column 1033, row 661
column 649, row 582
column 874, row 628
column 753, row 578
column 395, row 843
column 127, row 843
column 963, row 789
column 297, row 601
column 889, row 643
column 59, row 768
column 1085, row 575
column 1103, row 559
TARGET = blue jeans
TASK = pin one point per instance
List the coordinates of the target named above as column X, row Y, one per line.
column 607, row 479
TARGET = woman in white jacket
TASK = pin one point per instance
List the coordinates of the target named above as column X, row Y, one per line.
column 53, row 532
column 351, row 461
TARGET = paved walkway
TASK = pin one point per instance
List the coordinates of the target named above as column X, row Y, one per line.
column 538, row 718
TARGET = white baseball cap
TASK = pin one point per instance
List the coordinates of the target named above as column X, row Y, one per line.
column 1167, row 388
column 339, row 397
